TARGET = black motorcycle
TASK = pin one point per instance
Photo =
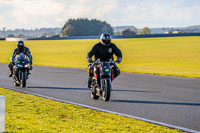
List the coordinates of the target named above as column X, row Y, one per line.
column 21, row 70
column 101, row 81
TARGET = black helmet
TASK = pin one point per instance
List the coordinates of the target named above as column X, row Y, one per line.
column 20, row 44
column 105, row 39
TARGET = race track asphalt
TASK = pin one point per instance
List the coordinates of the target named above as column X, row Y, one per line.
column 172, row 100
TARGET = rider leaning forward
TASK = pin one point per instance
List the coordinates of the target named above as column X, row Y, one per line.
column 104, row 51
column 20, row 49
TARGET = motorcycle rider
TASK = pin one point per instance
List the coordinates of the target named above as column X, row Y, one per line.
column 104, row 51
column 20, row 49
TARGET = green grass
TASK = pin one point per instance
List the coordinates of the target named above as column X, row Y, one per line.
column 178, row 56
column 175, row 56
column 28, row 113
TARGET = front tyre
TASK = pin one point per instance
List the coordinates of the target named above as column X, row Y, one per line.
column 106, row 89
column 23, row 79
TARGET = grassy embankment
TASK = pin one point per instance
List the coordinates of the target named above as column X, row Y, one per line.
column 175, row 56
column 28, row 113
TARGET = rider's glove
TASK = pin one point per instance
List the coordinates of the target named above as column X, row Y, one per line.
column 90, row 60
column 118, row 60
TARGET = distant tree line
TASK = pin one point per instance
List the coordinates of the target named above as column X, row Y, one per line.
column 144, row 31
column 128, row 32
column 23, row 33
column 85, row 27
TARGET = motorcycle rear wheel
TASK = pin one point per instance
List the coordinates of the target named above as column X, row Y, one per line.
column 94, row 93
column 16, row 84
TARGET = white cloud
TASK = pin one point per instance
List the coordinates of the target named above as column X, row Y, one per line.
column 53, row 13
column 90, row 9
column 1, row 18
column 28, row 11
column 33, row 13
column 160, row 13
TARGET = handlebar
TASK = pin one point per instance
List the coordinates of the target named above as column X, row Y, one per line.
column 98, row 62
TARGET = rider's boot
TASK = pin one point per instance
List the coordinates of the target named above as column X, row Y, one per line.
column 10, row 65
column 10, row 74
column 90, row 75
column 89, row 82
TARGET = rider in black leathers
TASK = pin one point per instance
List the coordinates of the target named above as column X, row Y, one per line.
column 104, row 51
column 20, row 49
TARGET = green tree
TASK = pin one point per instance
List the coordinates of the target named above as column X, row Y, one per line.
column 11, row 35
column 50, row 34
column 128, row 32
column 85, row 27
column 145, row 31
column 44, row 35
column 21, row 36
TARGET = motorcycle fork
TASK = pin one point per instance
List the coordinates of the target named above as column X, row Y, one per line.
column 20, row 74
column 97, row 75
column 103, row 82
column 112, row 72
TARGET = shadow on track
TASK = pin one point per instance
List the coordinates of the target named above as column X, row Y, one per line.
column 156, row 102
column 61, row 88
column 64, row 88
column 134, row 91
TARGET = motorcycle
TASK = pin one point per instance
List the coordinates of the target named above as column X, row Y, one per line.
column 101, row 81
column 21, row 70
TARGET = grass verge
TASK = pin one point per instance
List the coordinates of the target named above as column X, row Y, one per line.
column 28, row 113
column 174, row 56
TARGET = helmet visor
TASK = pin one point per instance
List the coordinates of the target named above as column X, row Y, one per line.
column 106, row 41
column 20, row 46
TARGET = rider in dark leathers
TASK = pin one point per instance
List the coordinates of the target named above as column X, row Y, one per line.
column 104, row 51
column 20, row 49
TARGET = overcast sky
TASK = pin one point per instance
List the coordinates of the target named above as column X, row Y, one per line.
column 31, row 14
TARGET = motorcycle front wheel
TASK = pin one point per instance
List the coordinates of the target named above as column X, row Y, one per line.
column 106, row 84
column 23, row 79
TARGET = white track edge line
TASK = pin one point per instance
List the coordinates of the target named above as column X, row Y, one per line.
column 108, row 111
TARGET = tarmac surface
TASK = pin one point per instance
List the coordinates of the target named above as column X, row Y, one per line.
column 172, row 100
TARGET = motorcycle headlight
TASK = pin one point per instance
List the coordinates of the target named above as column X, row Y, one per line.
column 19, row 65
